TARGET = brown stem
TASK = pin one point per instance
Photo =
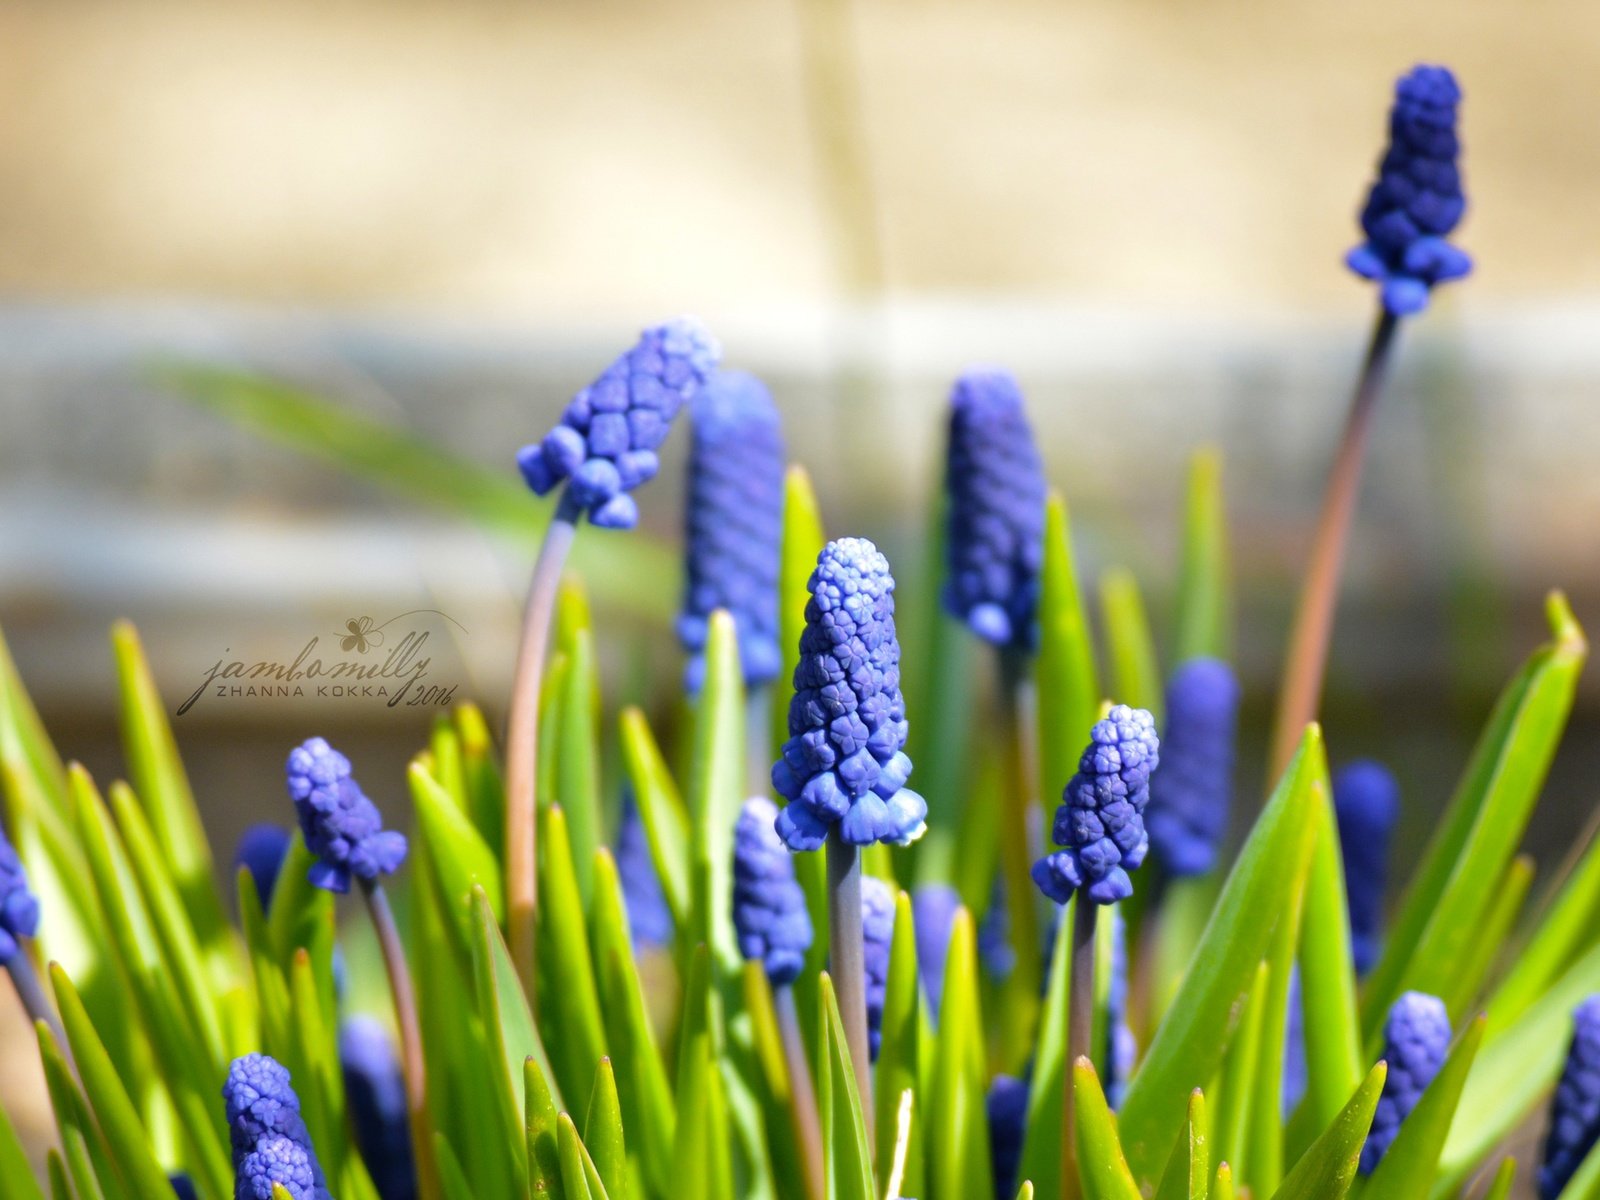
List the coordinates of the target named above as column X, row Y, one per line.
column 848, row 961
column 1307, row 661
column 1080, row 1035
column 802, row 1095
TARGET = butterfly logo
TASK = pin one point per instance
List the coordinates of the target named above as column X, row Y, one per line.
column 360, row 635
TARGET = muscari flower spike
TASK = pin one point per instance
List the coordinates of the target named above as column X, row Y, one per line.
column 649, row 918
column 734, row 524
column 769, row 906
column 605, row 444
column 1189, row 800
column 1417, row 199
column 1100, row 823
column 19, row 908
column 1007, row 1110
column 341, row 826
column 844, row 765
column 1416, row 1040
column 268, row 1136
column 1575, row 1111
column 1366, row 802
column 375, row 1091
column 261, row 850
column 994, row 541
column 877, row 934
column 933, row 912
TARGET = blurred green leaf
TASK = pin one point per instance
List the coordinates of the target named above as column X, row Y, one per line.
column 846, row 1156
column 701, row 1157
column 898, row 1050
column 1186, row 1050
column 1500, row 1189
column 958, row 1130
column 452, row 1180
column 60, row 1189
column 716, row 792
column 776, row 1090
column 486, row 795
column 1135, row 675
column 1407, row 1167
column 602, row 1132
column 1222, row 1189
column 574, row 1169
column 578, row 757
column 1327, row 1169
column 1498, row 921
column 1205, row 594
column 1101, row 1167
column 1262, row 1169
column 539, row 1132
column 88, row 1159
column 660, row 809
column 568, row 996
column 1237, row 1088
column 1064, row 671
column 458, row 852
column 1189, row 1169
column 301, row 911
column 803, row 539
column 1041, row 1144
column 14, row 1167
column 1444, row 907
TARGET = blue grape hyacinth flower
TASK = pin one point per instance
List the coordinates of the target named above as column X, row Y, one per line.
column 268, row 1136
column 1007, row 1109
column 19, row 908
column 1366, row 803
column 649, row 917
column 877, row 935
column 261, row 850
column 375, row 1091
column 769, row 906
column 1100, row 823
column 995, row 491
column 1190, row 798
column 844, row 764
column 1575, row 1111
column 933, row 912
column 734, row 524
column 341, row 826
column 605, row 444
column 1416, row 1040
column 1417, row 199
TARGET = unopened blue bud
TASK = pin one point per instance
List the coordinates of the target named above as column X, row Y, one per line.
column 261, row 851
column 341, row 826
column 1575, row 1111
column 1190, row 797
column 1416, row 1040
column 769, row 906
column 1366, row 802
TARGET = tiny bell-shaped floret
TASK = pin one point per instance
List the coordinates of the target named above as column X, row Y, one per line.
column 341, row 826
column 1416, row 1040
column 769, row 906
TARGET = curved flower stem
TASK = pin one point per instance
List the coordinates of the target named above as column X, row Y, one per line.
column 802, row 1094
column 848, row 961
column 34, row 1000
column 1301, row 694
column 522, row 741
column 405, row 1011
column 1080, row 1033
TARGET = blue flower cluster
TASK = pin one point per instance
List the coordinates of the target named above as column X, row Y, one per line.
column 933, row 912
column 261, row 850
column 375, row 1093
column 269, row 1138
column 769, row 907
column 843, row 763
column 1100, row 823
column 19, row 909
column 1417, row 199
column 1366, row 802
column 1416, row 1040
column 877, row 935
column 340, row 825
column 1007, row 1110
column 1575, row 1111
column 994, row 542
column 649, row 918
column 1189, row 800
column 606, row 442
column 734, row 524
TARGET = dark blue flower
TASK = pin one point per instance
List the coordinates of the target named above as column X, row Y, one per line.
column 1416, row 1040
column 769, row 906
column 1366, row 801
column 375, row 1092
column 933, row 912
column 341, row 826
column 605, row 445
column 649, row 918
column 877, row 935
column 1191, row 795
column 994, row 542
column 19, row 909
column 1100, row 823
column 269, row 1138
column 1417, row 199
column 182, row 1186
column 261, row 851
column 1007, row 1108
column 844, row 762
column 734, row 524
column 1575, row 1111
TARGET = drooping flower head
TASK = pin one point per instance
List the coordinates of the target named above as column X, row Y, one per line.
column 877, row 935
column 19, row 909
column 994, row 540
column 1100, row 824
column 769, row 906
column 844, row 763
column 375, row 1091
column 260, row 851
column 1575, row 1111
column 269, row 1138
column 649, row 917
column 1190, row 798
column 1417, row 199
column 1366, row 802
column 1007, row 1109
column 606, row 442
column 734, row 524
column 933, row 912
column 341, row 826
column 1416, row 1040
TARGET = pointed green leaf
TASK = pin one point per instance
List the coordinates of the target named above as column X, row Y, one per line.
column 701, row 1158
column 1263, row 1162
column 480, row 772
column 83, row 1147
column 1064, row 673
column 846, row 1157
column 1205, row 599
column 56, row 1172
column 1135, row 676
column 1500, row 1189
column 452, row 1179
column 602, row 1132
column 1025, row 1192
column 573, row 1176
column 463, row 859
column 1326, row 1170
column 1189, row 1168
column 898, row 1050
column 802, row 542
column 1223, row 1189
column 570, row 997
column 1101, row 1167
column 781, row 1101
column 300, row 909
column 1186, row 1051
column 1407, row 1167
column 957, row 1132
column 1041, row 1146
column 14, row 1167
column 661, row 810
column 539, row 1133
column 1237, row 1090
column 1499, row 919
column 716, row 791
column 578, row 757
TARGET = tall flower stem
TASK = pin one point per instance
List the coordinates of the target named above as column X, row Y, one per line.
column 522, row 740
column 1017, row 851
column 1080, row 1035
column 848, row 960
column 34, row 1000
column 1301, row 694
column 802, row 1095
column 411, row 1060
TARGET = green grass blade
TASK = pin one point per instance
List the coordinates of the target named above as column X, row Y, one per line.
column 958, row 1133
column 661, row 810
column 1223, row 1187
column 1064, row 671
column 570, row 1001
column 573, row 1176
column 23, row 739
column 1205, row 594
column 1041, row 1143
column 1499, row 919
column 55, row 1172
column 539, row 1135
column 803, row 539
column 88, row 1160
column 1135, row 674
column 847, row 1160
column 452, row 1179
column 458, row 852
column 578, row 757
column 1101, row 1168
column 1186, row 1051
column 300, row 909
column 1237, row 1090
column 1407, row 1168
column 1327, row 1169
column 14, row 1167
column 1444, row 906
column 1189, row 1169
column 1264, row 1142
column 602, row 1131
column 899, row 1052
column 1500, row 1189
column 480, row 771
column 716, row 792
